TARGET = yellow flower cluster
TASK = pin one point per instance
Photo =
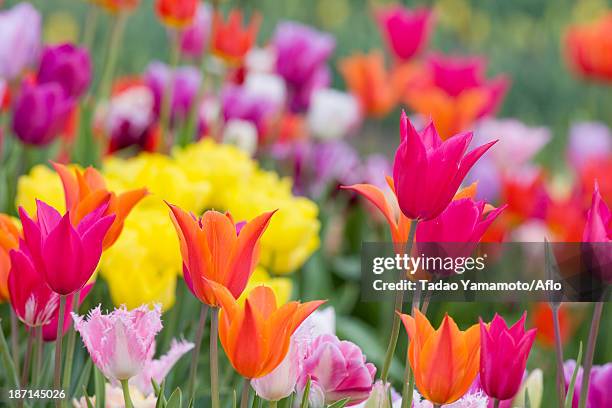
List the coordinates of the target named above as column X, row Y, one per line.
column 143, row 265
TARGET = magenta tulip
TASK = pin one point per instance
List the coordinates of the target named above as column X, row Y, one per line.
column 427, row 172
column 598, row 235
column 503, row 356
column 406, row 31
column 65, row 256
column 67, row 65
column 195, row 37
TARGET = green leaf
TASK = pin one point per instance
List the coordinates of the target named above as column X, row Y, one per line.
column 85, row 375
column 156, row 388
column 569, row 398
column 87, row 399
column 527, row 401
column 7, row 361
column 256, row 400
column 161, row 398
column 339, row 404
column 304, row 403
column 100, row 388
column 175, row 400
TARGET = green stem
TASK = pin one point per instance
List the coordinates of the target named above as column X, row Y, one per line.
column 196, row 351
column 28, row 357
column 214, row 358
column 70, row 347
column 114, row 45
column 126, row 394
column 495, row 403
column 559, row 354
column 38, row 347
column 399, row 299
column 168, row 94
column 7, row 362
column 273, row 404
column 91, row 22
column 15, row 340
column 58, row 349
column 590, row 353
column 408, row 384
column 244, row 399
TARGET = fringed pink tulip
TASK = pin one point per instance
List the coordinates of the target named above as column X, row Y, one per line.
column 337, row 370
column 427, row 172
column 65, row 256
column 32, row 300
column 503, row 356
column 122, row 342
column 49, row 330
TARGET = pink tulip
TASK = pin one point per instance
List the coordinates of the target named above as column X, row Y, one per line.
column 427, row 171
column 65, row 256
column 598, row 232
column 406, row 31
column 122, row 342
column 195, row 37
column 32, row 300
column 503, row 356
column 337, row 370
column 280, row 383
column 49, row 330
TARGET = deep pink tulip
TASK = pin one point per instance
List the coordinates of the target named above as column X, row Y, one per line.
column 427, row 172
column 195, row 37
column 32, row 300
column 122, row 342
column 406, row 31
column 49, row 330
column 598, row 232
column 67, row 65
column 503, row 356
column 337, row 370
column 65, row 256
column 40, row 113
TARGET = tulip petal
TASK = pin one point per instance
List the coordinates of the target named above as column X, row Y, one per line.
column 62, row 272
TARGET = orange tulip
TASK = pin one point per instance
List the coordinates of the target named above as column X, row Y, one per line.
column 176, row 13
column 9, row 239
column 213, row 250
column 84, row 191
column 367, row 78
column 115, row 6
column 589, row 48
column 256, row 334
column 445, row 361
column 542, row 319
column 231, row 40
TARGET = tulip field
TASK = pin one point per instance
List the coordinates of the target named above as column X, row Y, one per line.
column 324, row 204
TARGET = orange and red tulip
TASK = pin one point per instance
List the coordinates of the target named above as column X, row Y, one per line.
column 231, row 40
column 176, row 13
column 213, row 250
column 445, row 361
column 9, row 239
column 589, row 48
column 255, row 335
column 84, row 191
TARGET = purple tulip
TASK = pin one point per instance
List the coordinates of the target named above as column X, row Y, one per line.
column 187, row 81
column 69, row 66
column 195, row 37
column 240, row 103
column 600, row 381
column 588, row 141
column 20, row 28
column 40, row 113
column 337, row 370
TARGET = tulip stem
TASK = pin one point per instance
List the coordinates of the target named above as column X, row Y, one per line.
column 196, row 350
column 167, row 97
column 126, row 394
column 114, row 44
column 244, row 399
column 38, row 355
column 28, row 357
column 273, row 404
column 399, row 300
column 559, row 354
column 495, row 403
column 214, row 357
column 437, row 405
column 91, row 21
column 590, row 352
column 15, row 339
column 70, row 346
column 408, row 385
column 58, row 348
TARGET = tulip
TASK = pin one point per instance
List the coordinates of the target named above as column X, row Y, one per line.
column 337, row 370
column 49, row 330
column 238, row 102
column 213, row 250
column 469, row 400
column 32, row 300
column 256, row 335
column 117, row 6
column 532, row 386
column 281, row 381
column 445, row 164
column 231, row 40
column 598, row 231
column 600, row 380
column 444, row 361
column 9, row 239
column 41, row 113
column 194, row 38
column 406, row 31
column 332, row 114
column 503, row 356
column 588, row 141
column 176, row 13
column 367, row 78
column 120, row 343
column 67, row 65
column 84, row 191
column 379, row 397
column 588, row 47
column 65, row 256
column 113, row 397
column 20, row 39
